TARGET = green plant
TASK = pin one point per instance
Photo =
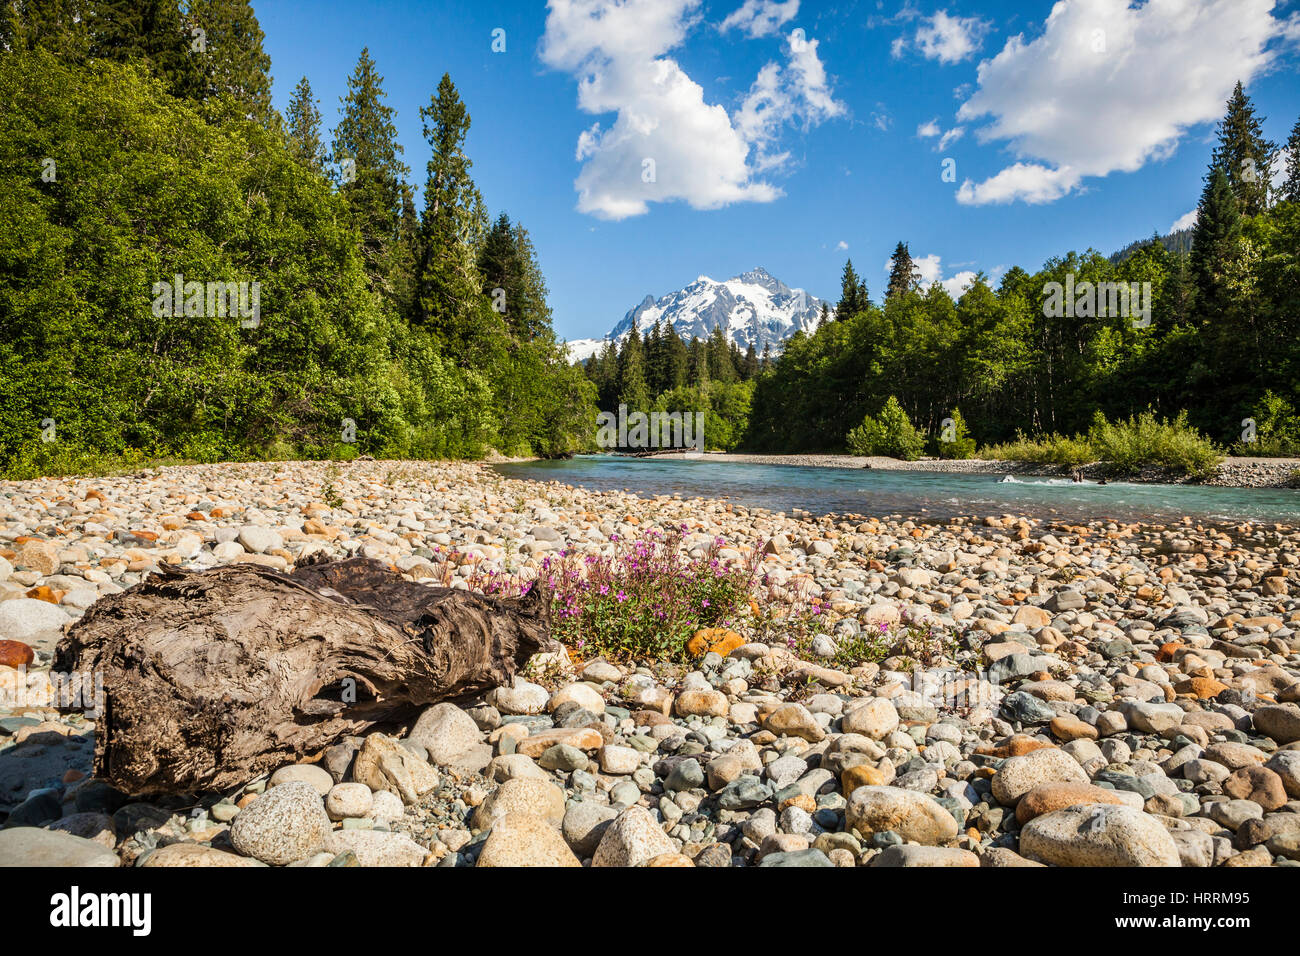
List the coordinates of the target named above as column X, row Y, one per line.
column 1127, row 445
column 953, row 440
column 891, row 433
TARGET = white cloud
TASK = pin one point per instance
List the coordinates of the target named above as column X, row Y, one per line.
column 666, row 143
column 664, row 131
column 1185, row 221
column 932, row 129
column 760, row 18
column 841, row 245
column 1108, row 87
column 950, row 137
column 799, row 92
column 944, row 38
column 1028, row 182
column 930, row 269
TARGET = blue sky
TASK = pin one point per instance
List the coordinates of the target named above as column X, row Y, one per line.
column 793, row 134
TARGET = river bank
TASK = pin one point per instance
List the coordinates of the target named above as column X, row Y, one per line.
column 1232, row 472
column 1044, row 692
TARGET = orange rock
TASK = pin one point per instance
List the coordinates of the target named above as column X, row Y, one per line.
column 46, row 593
column 1203, row 688
column 1166, row 652
column 802, row 801
column 197, row 516
column 863, row 776
column 670, row 859
column 719, row 640
column 1015, row 746
column 15, row 654
column 1047, row 797
column 72, row 776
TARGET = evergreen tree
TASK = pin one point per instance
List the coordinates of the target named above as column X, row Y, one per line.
column 59, row 26
column 632, row 389
column 1214, row 239
column 1290, row 191
column 233, row 61
column 1245, row 155
column 853, row 293
column 148, row 30
column 446, row 285
column 697, row 364
column 302, row 125
column 903, row 276
column 371, row 176
column 749, row 366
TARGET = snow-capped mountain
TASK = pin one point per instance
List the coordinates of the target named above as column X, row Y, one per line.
column 754, row 308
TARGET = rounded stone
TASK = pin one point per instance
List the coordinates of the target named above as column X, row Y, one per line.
column 633, row 838
column 349, row 800
column 540, row 798
column 522, row 839
column 1098, row 835
column 284, row 824
column 913, row 816
column 308, row 773
column 1018, row 775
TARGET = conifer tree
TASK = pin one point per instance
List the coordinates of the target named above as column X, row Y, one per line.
column 1214, row 239
column 903, row 276
column 232, row 59
column 1245, row 155
column 365, row 155
column 302, row 125
column 632, row 388
column 1290, row 191
column 853, row 293
column 447, row 287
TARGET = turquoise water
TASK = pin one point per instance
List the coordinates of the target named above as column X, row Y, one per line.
column 921, row 494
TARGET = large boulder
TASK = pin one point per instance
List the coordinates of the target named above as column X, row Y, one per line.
column 1018, row 775
column 632, row 839
column 1099, row 835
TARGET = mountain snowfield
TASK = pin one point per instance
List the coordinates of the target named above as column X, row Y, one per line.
column 754, row 308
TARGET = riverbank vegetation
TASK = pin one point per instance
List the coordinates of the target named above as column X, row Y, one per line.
column 1218, row 361
column 144, row 152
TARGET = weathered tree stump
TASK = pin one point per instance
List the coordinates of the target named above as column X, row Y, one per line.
column 212, row 678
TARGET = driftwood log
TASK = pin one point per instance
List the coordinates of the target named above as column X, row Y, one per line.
column 213, row 678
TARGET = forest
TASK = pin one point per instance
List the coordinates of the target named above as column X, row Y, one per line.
column 1221, row 344
column 138, row 146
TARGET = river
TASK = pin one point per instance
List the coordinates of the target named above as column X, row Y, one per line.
column 919, row 494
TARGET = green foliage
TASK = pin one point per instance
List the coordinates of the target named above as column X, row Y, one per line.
column 953, row 439
column 1049, row 450
column 1277, row 429
column 145, row 186
column 1144, row 439
column 891, row 434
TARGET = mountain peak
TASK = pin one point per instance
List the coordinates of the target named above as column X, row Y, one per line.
column 753, row 309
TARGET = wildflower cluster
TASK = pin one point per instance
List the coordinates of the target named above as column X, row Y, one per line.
column 644, row 600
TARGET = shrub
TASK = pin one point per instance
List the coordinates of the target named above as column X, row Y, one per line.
column 953, row 440
column 891, row 434
column 1127, row 445
column 1277, row 430
column 1058, row 450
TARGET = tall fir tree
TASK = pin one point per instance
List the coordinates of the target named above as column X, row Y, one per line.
column 853, row 293
column 233, row 61
column 903, row 275
column 302, row 126
column 447, row 284
column 632, row 389
column 1214, row 241
column 1290, row 189
column 1244, row 153
column 365, row 155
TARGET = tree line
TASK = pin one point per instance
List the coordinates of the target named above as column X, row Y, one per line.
column 138, row 144
column 1222, row 343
